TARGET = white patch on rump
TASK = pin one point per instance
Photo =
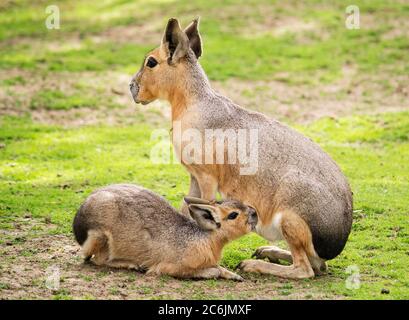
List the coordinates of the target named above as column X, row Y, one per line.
column 271, row 232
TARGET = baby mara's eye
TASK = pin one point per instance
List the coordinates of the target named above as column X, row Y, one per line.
column 233, row 215
column 151, row 62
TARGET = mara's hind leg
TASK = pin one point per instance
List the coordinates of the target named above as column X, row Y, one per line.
column 114, row 259
column 318, row 265
column 95, row 248
column 123, row 264
column 298, row 236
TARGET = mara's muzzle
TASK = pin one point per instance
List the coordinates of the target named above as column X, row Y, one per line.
column 252, row 218
column 134, row 88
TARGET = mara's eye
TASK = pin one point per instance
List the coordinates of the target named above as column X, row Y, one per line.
column 151, row 62
column 233, row 215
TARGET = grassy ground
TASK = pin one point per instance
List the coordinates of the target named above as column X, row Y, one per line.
column 67, row 126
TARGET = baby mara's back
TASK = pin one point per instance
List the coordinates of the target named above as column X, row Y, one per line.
column 136, row 226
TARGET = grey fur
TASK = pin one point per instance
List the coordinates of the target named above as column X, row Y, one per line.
column 139, row 228
column 145, row 210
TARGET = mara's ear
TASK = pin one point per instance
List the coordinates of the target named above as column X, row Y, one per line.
column 175, row 42
column 205, row 216
column 195, row 41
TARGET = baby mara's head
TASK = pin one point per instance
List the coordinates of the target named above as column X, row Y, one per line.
column 229, row 217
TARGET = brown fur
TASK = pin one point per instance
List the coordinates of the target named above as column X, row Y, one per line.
column 295, row 180
column 128, row 226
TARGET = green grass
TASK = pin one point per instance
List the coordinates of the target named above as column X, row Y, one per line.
column 44, row 163
column 58, row 100
column 229, row 51
column 48, row 171
column 14, row 81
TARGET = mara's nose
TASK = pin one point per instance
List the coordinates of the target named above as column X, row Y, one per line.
column 134, row 88
column 253, row 218
column 132, row 84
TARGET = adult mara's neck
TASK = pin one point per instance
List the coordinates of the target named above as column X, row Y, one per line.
column 190, row 89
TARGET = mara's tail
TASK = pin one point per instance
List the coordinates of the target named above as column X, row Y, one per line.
column 80, row 226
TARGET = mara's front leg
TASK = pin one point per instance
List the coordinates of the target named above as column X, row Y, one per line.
column 273, row 253
column 203, row 186
column 208, row 186
column 175, row 270
column 215, row 273
column 194, row 191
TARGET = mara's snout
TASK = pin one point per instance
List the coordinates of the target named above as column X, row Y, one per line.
column 134, row 88
column 252, row 219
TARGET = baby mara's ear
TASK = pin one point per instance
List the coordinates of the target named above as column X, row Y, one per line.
column 205, row 215
column 194, row 200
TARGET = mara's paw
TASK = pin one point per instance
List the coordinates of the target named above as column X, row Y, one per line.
column 265, row 252
column 250, row 265
column 226, row 274
column 223, row 273
column 237, row 278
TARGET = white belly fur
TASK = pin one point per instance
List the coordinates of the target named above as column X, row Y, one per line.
column 271, row 232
